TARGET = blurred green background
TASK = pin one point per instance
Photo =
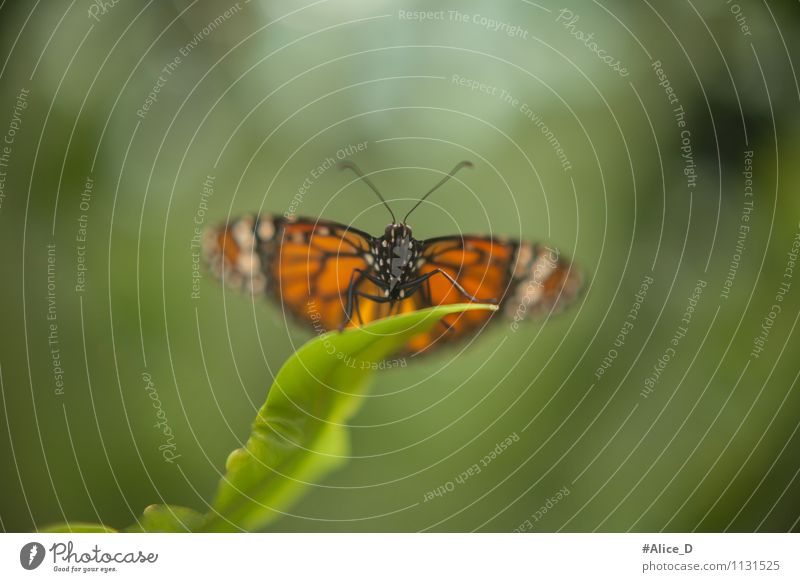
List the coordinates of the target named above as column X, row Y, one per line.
column 261, row 94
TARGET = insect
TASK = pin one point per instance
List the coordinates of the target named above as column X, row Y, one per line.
column 334, row 276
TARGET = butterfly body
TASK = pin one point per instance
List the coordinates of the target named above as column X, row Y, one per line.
column 396, row 252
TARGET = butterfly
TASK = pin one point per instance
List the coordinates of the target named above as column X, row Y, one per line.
column 334, row 276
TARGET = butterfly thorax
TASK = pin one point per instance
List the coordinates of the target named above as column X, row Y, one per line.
column 396, row 256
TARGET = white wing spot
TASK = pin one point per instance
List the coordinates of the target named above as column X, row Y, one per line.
column 243, row 234
column 249, row 264
column 266, row 229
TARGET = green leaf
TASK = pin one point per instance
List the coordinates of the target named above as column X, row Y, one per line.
column 77, row 527
column 168, row 519
column 299, row 434
column 156, row 518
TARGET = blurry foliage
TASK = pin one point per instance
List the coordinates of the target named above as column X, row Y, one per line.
column 271, row 97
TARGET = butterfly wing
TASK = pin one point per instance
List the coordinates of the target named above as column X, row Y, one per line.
column 524, row 278
column 312, row 266
column 306, row 265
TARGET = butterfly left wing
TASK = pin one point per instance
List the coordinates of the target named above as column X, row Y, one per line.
column 308, row 266
column 525, row 279
column 313, row 266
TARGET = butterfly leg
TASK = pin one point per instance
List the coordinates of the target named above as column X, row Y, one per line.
column 351, row 292
column 427, row 298
column 417, row 282
column 426, row 292
column 358, row 312
column 375, row 298
column 448, row 328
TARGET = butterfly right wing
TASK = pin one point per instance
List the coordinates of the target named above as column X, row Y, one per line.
column 526, row 279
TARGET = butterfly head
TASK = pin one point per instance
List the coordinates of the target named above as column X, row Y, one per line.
column 396, row 253
column 397, row 232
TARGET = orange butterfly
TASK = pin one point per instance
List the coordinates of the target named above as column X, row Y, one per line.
column 334, row 276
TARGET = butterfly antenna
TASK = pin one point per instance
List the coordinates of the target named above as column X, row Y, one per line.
column 351, row 166
column 459, row 165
